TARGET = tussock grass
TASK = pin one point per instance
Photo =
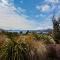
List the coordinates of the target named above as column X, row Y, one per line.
column 22, row 48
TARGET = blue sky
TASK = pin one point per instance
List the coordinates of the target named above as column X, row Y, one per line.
column 28, row 14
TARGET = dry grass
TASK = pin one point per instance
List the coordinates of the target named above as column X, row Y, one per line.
column 29, row 49
column 3, row 39
column 36, row 49
column 22, row 47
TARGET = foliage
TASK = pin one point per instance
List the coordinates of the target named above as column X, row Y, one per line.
column 47, row 39
column 56, row 30
column 22, row 49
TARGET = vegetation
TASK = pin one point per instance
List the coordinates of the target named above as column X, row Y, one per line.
column 56, row 29
column 22, row 48
column 30, row 46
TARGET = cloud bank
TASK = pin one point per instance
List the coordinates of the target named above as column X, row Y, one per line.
column 12, row 18
column 9, row 19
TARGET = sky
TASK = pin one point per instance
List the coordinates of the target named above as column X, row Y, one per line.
column 28, row 14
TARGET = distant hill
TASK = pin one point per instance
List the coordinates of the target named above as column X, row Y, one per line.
column 37, row 31
column 24, row 31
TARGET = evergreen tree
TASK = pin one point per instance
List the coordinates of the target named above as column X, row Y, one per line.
column 56, row 29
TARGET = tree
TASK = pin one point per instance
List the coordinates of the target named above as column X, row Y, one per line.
column 27, row 32
column 21, row 32
column 56, row 29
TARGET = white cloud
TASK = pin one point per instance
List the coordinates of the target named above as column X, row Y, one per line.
column 20, row 10
column 40, row 15
column 4, row 3
column 52, row 1
column 49, row 6
column 10, row 20
column 47, row 24
column 43, row 8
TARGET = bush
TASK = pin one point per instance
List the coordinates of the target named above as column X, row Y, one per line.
column 24, row 49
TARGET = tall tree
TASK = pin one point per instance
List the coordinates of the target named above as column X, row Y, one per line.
column 56, row 29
